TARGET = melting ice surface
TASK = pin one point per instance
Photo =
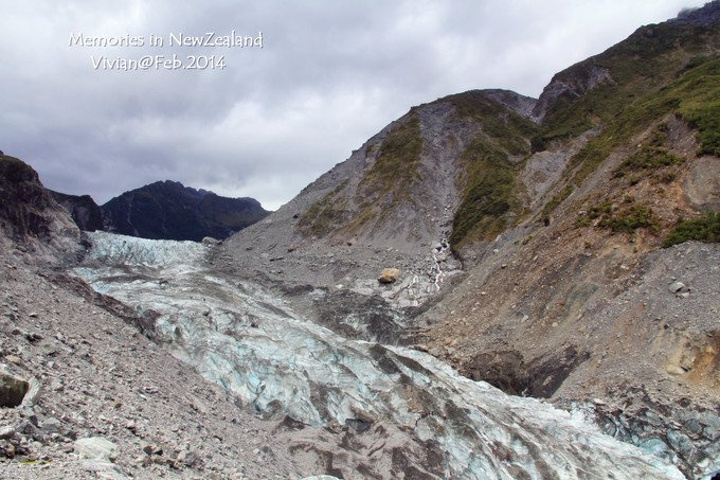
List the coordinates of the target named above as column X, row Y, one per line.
column 244, row 337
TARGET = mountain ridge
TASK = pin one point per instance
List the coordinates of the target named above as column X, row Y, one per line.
column 165, row 210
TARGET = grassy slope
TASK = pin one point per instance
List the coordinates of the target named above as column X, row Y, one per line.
column 388, row 182
column 659, row 70
column 489, row 191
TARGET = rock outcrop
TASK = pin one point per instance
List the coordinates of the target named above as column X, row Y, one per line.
column 86, row 214
column 12, row 390
column 30, row 219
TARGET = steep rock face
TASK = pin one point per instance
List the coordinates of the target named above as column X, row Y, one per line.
column 569, row 85
column 397, row 200
column 577, row 302
column 169, row 210
column 29, row 216
column 83, row 209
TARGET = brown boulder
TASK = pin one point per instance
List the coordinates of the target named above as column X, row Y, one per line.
column 389, row 275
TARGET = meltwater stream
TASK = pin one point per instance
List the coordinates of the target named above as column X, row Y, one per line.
column 242, row 336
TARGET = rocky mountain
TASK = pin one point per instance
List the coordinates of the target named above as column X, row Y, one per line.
column 30, row 219
column 164, row 210
column 84, row 211
column 563, row 248
column 169, row 210
column 179, row 370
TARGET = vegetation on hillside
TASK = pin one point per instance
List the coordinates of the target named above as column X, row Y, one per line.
column 324, row 213
column 397, row 162
column 640, row 66
column 508, row 129
column 651, row 155
column 489, row 187
column 488, row 193
column 627, row 219
column 633, row 87
column 678, row 75
column 388, row 182
column 703, row 229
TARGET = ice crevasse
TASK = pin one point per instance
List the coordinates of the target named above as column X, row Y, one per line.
column 243, row 336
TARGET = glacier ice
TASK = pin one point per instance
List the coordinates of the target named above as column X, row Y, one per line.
column 248, row 339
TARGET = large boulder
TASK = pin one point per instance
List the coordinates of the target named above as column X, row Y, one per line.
column 389, row 275
column 12, row 390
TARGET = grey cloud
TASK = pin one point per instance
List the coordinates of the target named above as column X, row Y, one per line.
column 330, row 75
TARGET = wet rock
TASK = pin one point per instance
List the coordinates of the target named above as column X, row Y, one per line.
column 389, row 275
column 681, row 443
column 12, row 390
column 509, row 371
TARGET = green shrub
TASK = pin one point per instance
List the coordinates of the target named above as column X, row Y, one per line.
column 632, row 219
column 605, row 209
column 704, row 229
column 623, row 221
column 582, row 221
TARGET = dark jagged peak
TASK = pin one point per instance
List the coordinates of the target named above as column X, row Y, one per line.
column 707, row 15
column 170, row 210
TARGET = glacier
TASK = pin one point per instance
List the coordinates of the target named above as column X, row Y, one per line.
column 244, row 336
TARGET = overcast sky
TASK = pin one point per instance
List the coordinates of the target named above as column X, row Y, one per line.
column 325, row 77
